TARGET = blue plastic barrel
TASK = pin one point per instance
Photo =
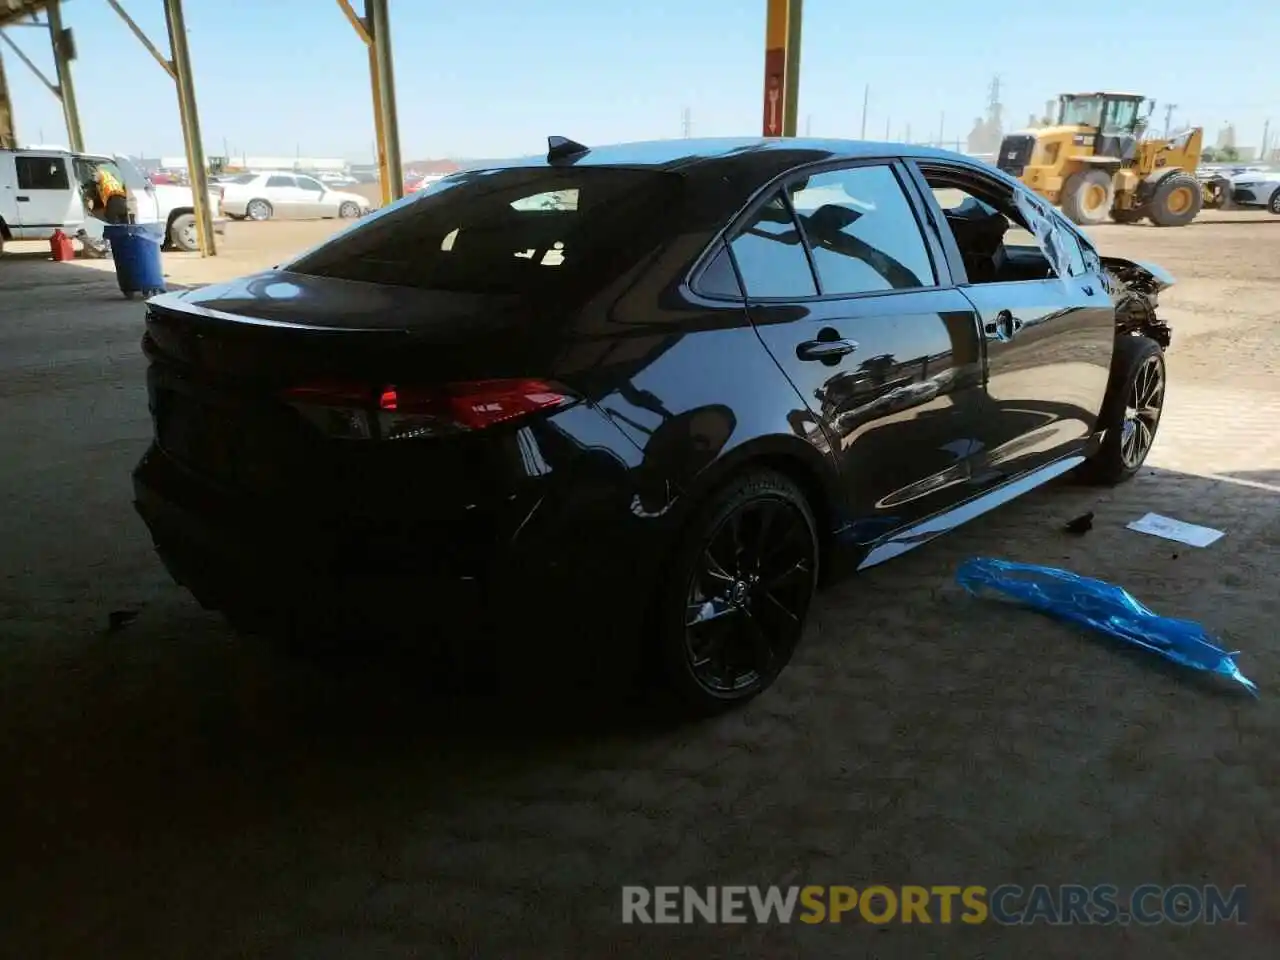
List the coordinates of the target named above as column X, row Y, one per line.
column 135, row 248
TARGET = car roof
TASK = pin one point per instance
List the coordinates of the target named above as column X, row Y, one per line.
column 685, row 153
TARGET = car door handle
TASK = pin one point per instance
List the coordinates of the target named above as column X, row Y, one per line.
column 825, row 349
column 23, row 199
column 1004, row 327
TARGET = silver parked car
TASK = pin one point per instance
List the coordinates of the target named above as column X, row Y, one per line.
column 1257, row 188
column 280, row 193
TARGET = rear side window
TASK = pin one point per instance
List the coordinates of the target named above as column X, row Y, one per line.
column 770, row 254
column 42, row 173
column 281, row 182
column 863, row 232
column 514, row 231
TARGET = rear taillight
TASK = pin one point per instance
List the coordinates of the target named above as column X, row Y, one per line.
column 398, row 412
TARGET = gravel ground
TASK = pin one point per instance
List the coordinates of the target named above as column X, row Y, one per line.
column 171, row 791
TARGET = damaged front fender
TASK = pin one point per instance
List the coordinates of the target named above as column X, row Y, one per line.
column 1135, row 289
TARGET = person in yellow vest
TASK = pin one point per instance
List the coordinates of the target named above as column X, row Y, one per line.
column 110, row 199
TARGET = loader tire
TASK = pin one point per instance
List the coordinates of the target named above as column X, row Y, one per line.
column 1087, row 197
column 1176, row 201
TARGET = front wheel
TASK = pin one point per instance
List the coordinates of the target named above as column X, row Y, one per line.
column 742, row 580
column 349, row 210
column 1176, row 201
column 1274, row 205
column 1087, row 197
column 1130, row 413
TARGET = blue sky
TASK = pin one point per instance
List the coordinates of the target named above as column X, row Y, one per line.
column 486, row 78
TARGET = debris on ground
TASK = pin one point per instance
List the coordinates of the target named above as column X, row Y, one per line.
column 1104, row 607
column 1188, row 533
column 1081, row 524
column 92, row 248
column 119, row 619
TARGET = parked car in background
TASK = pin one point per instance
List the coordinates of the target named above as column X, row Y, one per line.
column 44, row 190
column 643, row 416
column 337, row 180
column 1257, row 188
column 287, row 195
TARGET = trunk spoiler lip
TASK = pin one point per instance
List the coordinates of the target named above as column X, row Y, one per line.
column 172, row 303
column 1161, row 278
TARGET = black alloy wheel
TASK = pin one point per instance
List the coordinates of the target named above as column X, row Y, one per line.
column 1131, row 411
column 749, row 571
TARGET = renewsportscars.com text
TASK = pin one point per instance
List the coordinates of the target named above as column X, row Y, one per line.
column 1008, row 904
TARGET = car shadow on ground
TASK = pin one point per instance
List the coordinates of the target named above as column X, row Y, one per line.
column 169, row 769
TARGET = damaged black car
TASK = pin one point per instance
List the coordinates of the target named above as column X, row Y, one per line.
column 631, row 405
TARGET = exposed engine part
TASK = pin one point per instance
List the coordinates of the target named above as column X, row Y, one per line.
column 1135, row 293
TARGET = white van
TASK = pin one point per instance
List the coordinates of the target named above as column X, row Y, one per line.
column 43, row 190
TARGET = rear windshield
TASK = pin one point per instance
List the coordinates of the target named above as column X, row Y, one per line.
column 512, row 231
column 242, row 178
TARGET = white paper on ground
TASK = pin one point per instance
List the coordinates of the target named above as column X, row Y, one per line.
column 1171, row 529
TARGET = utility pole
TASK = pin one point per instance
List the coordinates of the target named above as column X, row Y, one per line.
column 887, row 134
column 808, row 125
column 942, row 126
column 907, row 138
column 686, row 122
column 1266, row 140
column 1168, row 117
column 866, row 98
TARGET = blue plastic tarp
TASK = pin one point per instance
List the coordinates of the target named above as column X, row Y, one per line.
column 1103, row 607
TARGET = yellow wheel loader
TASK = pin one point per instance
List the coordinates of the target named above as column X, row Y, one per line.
column 1095, row 163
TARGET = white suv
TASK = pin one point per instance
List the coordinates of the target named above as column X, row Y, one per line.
column 42, row 190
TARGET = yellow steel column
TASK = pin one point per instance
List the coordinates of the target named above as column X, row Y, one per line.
column 8, row 133
column 379, row 129
column 782, row 67
column 379, row 24
column 63, row 54
column 196, row 170
column 364, row 30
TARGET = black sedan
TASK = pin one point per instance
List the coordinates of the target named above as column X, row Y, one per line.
column 628, row 403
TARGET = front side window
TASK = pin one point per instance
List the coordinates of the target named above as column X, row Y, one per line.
column 770, row 254
column 42, row 173
column 518, row 231
column 1081, row 111
column 863, row 232
column 1121, row 117
column 1004, row 234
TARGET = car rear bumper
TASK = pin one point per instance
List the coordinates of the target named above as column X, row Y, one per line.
column 237, row 560
column 530, row 575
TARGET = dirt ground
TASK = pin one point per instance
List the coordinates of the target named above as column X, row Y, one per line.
column 168, row 790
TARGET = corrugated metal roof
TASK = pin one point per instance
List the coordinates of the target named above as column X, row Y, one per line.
column 14, row 10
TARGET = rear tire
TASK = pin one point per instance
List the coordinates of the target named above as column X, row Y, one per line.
column 258, row 210
column 1176, row 202
column 1130, row 413
column 735, row 603
column 349, row 210
column 1087, row 197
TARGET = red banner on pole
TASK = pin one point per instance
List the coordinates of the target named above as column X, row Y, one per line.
column 774, row 65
